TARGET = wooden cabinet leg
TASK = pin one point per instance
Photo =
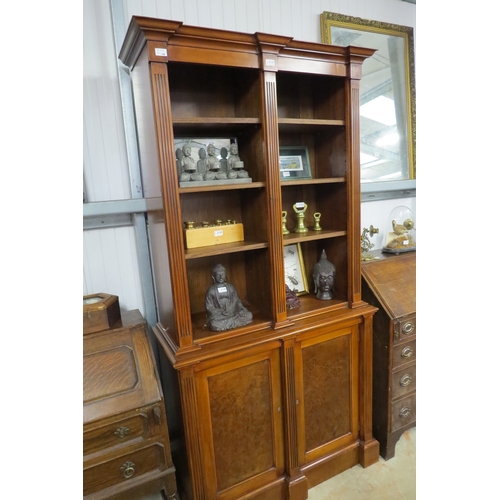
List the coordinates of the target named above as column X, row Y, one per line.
column 369, row 453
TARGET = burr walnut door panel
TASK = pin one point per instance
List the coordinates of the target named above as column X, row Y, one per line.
column 330, row 393
column 240, row 417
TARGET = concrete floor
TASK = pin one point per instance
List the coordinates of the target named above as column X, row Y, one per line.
column 394, row 479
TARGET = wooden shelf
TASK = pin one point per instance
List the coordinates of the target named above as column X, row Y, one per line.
column 213, row 125
column 311, row 182
column 204, row 336
column 222, row 187
column 307, row 124
column 311, row 235
column 215, row 120
column 225, row 248
column 311, row 306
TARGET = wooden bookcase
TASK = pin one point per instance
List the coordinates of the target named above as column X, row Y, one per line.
column 272, row 408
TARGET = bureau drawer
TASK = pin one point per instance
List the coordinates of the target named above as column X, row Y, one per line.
column 403, row 412
column 115, row 434
column 404, row 381
column 124, row 468
column 404, row 353
column 405, row 327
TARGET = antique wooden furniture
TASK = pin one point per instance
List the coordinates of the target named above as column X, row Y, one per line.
column 101, row 311
column 274, row 407
column 390, row 285
column 126, row 448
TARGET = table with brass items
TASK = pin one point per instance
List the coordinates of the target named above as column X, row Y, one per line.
column 389, row 283
column 126, row 447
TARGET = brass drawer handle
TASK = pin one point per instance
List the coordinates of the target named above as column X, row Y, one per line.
column 408, row 328
column 128, row 469
column 405, row 411
column 405, row 380
column 121, row 431
column 407, row 352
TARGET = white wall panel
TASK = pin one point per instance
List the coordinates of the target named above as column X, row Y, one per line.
column 110, row 257
column 217, row 13
column 104, row 154
column 111, row 266
column 297, row 18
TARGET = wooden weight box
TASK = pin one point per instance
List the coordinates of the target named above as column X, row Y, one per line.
column 390, row 284
column 126, row 448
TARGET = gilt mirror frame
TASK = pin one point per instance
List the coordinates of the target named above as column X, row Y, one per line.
column 386, row 188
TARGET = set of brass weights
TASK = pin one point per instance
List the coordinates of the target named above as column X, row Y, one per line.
column 300, row 211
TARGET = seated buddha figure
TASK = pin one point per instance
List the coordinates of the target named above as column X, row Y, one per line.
column 223, row 306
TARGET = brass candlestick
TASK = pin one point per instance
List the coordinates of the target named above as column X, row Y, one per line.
column 300, row 210
column 283, row 222
column 317, row 217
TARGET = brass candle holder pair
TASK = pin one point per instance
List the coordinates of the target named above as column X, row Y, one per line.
column 300, row 209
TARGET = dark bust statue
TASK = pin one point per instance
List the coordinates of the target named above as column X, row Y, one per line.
column 224, row 308
column 324, row 277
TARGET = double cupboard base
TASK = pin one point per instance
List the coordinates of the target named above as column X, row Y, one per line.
column 271, row 418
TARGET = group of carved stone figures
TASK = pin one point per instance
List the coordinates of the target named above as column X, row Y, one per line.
column 209, row 167
column 226, row 311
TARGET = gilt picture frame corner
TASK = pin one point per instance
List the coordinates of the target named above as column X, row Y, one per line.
column 395, row 45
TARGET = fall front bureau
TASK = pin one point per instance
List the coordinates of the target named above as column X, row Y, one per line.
column 390, row 284
column 126, row 448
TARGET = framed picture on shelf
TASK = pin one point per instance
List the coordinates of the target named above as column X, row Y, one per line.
column 295, row 275
column 294, row 163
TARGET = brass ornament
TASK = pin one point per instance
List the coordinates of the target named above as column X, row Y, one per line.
column 121, row 432
column 366, row 244
column 283, row 222
column 405, row 412
column 300, row 210
column 317, row 217
column 128, row 469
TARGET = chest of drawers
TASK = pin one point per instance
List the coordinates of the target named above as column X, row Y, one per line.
column 390, row 284
column 126, row 448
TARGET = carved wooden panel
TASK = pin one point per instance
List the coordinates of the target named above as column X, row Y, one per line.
column 328, row 397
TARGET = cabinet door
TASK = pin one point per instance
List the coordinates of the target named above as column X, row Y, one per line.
column 240, row 419
column 329, row 414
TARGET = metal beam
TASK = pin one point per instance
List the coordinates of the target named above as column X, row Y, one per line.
column 115, row 207
column 139, row 219
column 376, row 191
